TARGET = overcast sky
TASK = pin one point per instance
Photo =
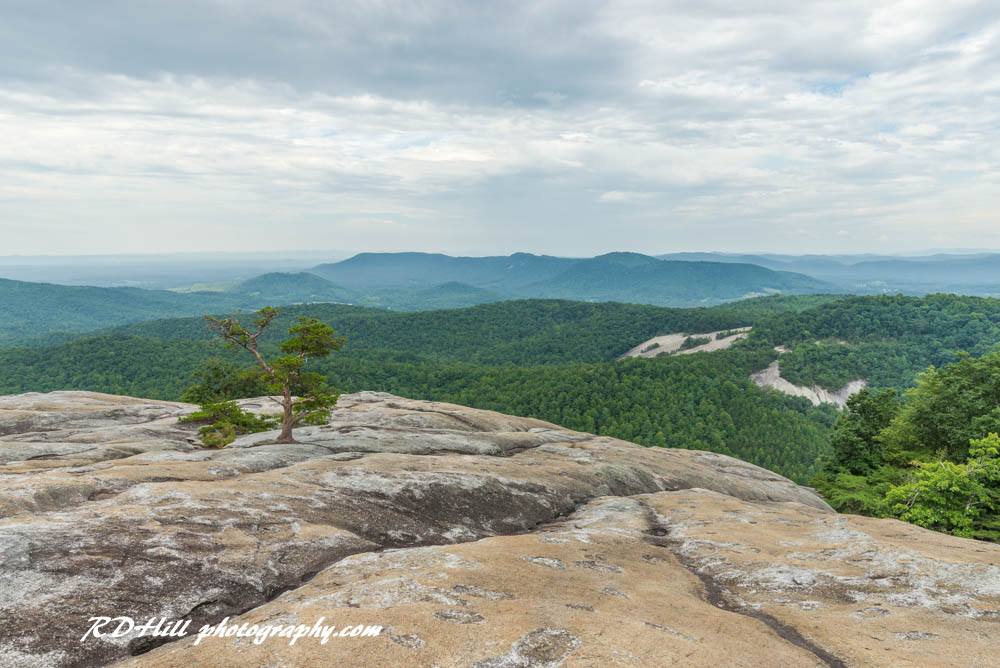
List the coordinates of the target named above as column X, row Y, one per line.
column 568, row 127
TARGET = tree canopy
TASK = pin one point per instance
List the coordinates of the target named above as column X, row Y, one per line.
column 304, row 396
column 930, row 458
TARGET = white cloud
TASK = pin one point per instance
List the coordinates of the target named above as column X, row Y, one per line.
column 765, row 125
column 623, row 196
column 921, row 130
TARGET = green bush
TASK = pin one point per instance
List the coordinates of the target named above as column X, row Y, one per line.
column 694, row 342
column 219, row 380
column 217, row 434
column 931, row 458
column 224, row 421
column 953, row 497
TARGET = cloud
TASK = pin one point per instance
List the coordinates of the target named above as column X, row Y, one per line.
column 920, row 130
column 478, row 127
column 623, row 196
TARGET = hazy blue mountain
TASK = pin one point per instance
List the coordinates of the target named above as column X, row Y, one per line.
column 385, row 270
column 937, row 269
column 158, row 272
column 632, row 277
column 398, row 281
column 969, row 273
column 447, row 295
column 38, row 310
column 30, row 310
column 454, row 295
column 293, row 288
column 813, row 265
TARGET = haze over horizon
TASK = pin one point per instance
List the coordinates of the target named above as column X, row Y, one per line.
column 335, row 255
column 565, row 128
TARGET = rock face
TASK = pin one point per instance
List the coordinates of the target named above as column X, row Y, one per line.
column 670, row 344
column 473, row 538
column 771, row 378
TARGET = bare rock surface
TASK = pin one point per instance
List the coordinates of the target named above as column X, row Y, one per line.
column 475, row 538
column 770, row 377
column 670, row 344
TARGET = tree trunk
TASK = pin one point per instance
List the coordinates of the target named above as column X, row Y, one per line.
column 286, row 419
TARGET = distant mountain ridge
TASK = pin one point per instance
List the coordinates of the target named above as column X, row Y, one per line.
column 288, row 288
column 31, row 310
column 37, row 310
column 970, row 273
column 632, row 277
column 385, row 270
column 628, row 277
column 400, row 281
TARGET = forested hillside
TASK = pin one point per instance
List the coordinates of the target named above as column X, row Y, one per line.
column 887, row 340
column 549, row 359
column 968, row 273
column 632, row 277
column 930, row 456
column 510, row 332
column 292, row 288
column 41, row 311
column 156, row 358
column 35, row 310
column 557, row 360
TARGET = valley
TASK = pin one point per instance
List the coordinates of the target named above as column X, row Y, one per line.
column 767, row 379
column 428, row 281
column 490, row 404
column 556, row 360
column 394, row 281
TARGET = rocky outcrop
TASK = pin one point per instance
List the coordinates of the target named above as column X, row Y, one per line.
column 771, row 378
column 474, row 538
column 671, row 344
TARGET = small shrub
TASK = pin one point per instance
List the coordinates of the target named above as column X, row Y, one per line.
column 217, row 434
column 725, row 334
column 224, row 421
column 694, row 342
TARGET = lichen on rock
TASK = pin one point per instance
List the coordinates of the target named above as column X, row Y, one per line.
column 472, row 537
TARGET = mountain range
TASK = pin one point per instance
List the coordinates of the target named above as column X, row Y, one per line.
column 400, row 281
column 628, row 277
column 394, row 270
column 427, row 281
column 969, row 273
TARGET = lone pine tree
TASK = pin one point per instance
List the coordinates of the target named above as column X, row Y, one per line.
column 304, row 396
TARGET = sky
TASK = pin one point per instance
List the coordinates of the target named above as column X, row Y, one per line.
column 568, row 127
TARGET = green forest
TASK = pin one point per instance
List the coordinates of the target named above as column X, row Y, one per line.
column 559, row 361
column 886, row 340
column 550, row 359
column 929, row 456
